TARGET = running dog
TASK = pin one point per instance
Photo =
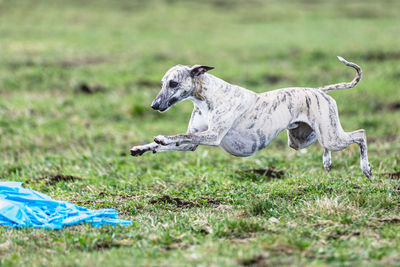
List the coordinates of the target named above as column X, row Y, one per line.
column 243, row 122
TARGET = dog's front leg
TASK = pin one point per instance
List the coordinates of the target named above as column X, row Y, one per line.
column 197, row 124
column 154, row 147
column 209, row 138
column 221, row 121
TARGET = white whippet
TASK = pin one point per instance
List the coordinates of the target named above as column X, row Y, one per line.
column 243, row 122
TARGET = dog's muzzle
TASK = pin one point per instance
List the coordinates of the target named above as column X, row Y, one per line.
column 158, row 106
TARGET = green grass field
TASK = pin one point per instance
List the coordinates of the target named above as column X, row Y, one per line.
column 76, row 83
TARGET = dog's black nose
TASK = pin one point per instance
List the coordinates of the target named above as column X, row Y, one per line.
column 155, row 105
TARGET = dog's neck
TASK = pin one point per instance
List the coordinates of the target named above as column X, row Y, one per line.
column 208, row 89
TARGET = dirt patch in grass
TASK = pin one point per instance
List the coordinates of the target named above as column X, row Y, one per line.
column 148, row 83
column 66, row 63
column 211, row 201
column 260, row 260
column 176, row 201
column 56, row 178
column 204, row 231
column 116, row 198
column 109, row 244
column 225, row 4
column 280, row 250
column 105, row 245
column 254, row 261
column 342, row 235
column 274, row 78
column 81, row 61
column 178, row 246
column 128, row 196
column 392, row 175
column 389, row 220
column 394, row 106
column 62, row 177
column 391, row 106
column 376, row 223
column 89, row 89
column 162, row 56
column 270, row 79
column 269, row 173
column 187, row 204
column 380, row 55
column 362, row 13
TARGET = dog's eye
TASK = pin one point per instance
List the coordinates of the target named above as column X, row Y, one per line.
column 173, row 84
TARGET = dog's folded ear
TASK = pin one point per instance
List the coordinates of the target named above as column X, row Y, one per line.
column 197, row 70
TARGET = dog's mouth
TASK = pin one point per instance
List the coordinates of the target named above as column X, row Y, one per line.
column 169, row 104
column 162, row 108
column 172, row 101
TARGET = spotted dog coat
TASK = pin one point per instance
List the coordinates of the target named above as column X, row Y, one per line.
column 243, row 122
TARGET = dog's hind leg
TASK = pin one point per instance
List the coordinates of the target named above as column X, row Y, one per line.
column 361, row 139
column 333, row 138
column 344, row 140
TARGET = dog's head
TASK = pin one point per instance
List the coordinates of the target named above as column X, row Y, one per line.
column 178, row 84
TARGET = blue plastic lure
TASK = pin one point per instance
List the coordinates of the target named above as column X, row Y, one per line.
column 21, row 207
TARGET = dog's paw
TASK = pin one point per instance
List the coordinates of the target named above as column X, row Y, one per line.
column 136, row 152
column 162, row 140
column 139, row 150
column 328, row 167
column 367, row 172
column 366, row 169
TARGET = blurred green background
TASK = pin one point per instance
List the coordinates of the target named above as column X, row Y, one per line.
column 76, row 82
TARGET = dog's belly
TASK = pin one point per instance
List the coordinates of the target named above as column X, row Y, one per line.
column 241, row 144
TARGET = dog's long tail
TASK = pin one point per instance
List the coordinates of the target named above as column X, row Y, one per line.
column 348, row 85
